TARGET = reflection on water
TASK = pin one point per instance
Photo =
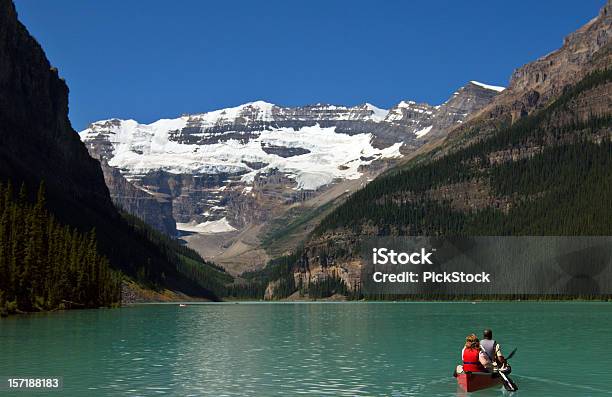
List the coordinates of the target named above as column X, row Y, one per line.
column 344, row 349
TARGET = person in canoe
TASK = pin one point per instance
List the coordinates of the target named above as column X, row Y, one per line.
column 493, row 352
column 473, row 356
column 492, row 348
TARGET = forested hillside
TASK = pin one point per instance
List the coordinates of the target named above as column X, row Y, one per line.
column 537, row 160
column 548, row 174
column 45, row 265
column 207, row 275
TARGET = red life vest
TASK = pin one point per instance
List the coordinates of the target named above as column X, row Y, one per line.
column 471, row 360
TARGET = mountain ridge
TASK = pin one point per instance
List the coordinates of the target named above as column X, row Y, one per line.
column 533, row 85
column 249, row 164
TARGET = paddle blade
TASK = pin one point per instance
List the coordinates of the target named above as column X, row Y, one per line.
column 511, row 354
column 508, row 383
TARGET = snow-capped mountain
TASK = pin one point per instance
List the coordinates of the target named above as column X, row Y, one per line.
column 227, row 169
column 310, row 154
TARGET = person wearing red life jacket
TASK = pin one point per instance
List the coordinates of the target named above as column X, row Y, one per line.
column 473, row 357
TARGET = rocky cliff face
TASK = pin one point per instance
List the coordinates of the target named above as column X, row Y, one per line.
column 228, row 169
column 37, row 141
column 154, row 209
column 533, row 85
column 548, row 75
column 428, row 122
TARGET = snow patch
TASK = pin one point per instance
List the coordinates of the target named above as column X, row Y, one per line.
column 423, row 132
column 488, row 87
column 208, row 227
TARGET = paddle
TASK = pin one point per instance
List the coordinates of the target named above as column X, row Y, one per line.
column 508, row 383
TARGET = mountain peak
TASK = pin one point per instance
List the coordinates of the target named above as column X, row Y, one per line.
column 259, row 104
column 378, row 114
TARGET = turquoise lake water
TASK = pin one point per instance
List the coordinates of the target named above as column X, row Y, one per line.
column 310, row 349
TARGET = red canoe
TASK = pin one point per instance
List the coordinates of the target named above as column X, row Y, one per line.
column 473, row 381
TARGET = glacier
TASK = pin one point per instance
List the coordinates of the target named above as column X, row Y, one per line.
column 141, row 148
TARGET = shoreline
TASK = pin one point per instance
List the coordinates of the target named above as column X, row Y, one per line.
column 251, row 301
column 192, row 301
column 131, row 293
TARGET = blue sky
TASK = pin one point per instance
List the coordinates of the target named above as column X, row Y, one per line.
column 152, row 59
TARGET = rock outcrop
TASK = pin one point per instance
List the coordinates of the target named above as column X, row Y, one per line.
column 534, row 84
column 154, row 209
column 547, row 76
column 434, row 122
